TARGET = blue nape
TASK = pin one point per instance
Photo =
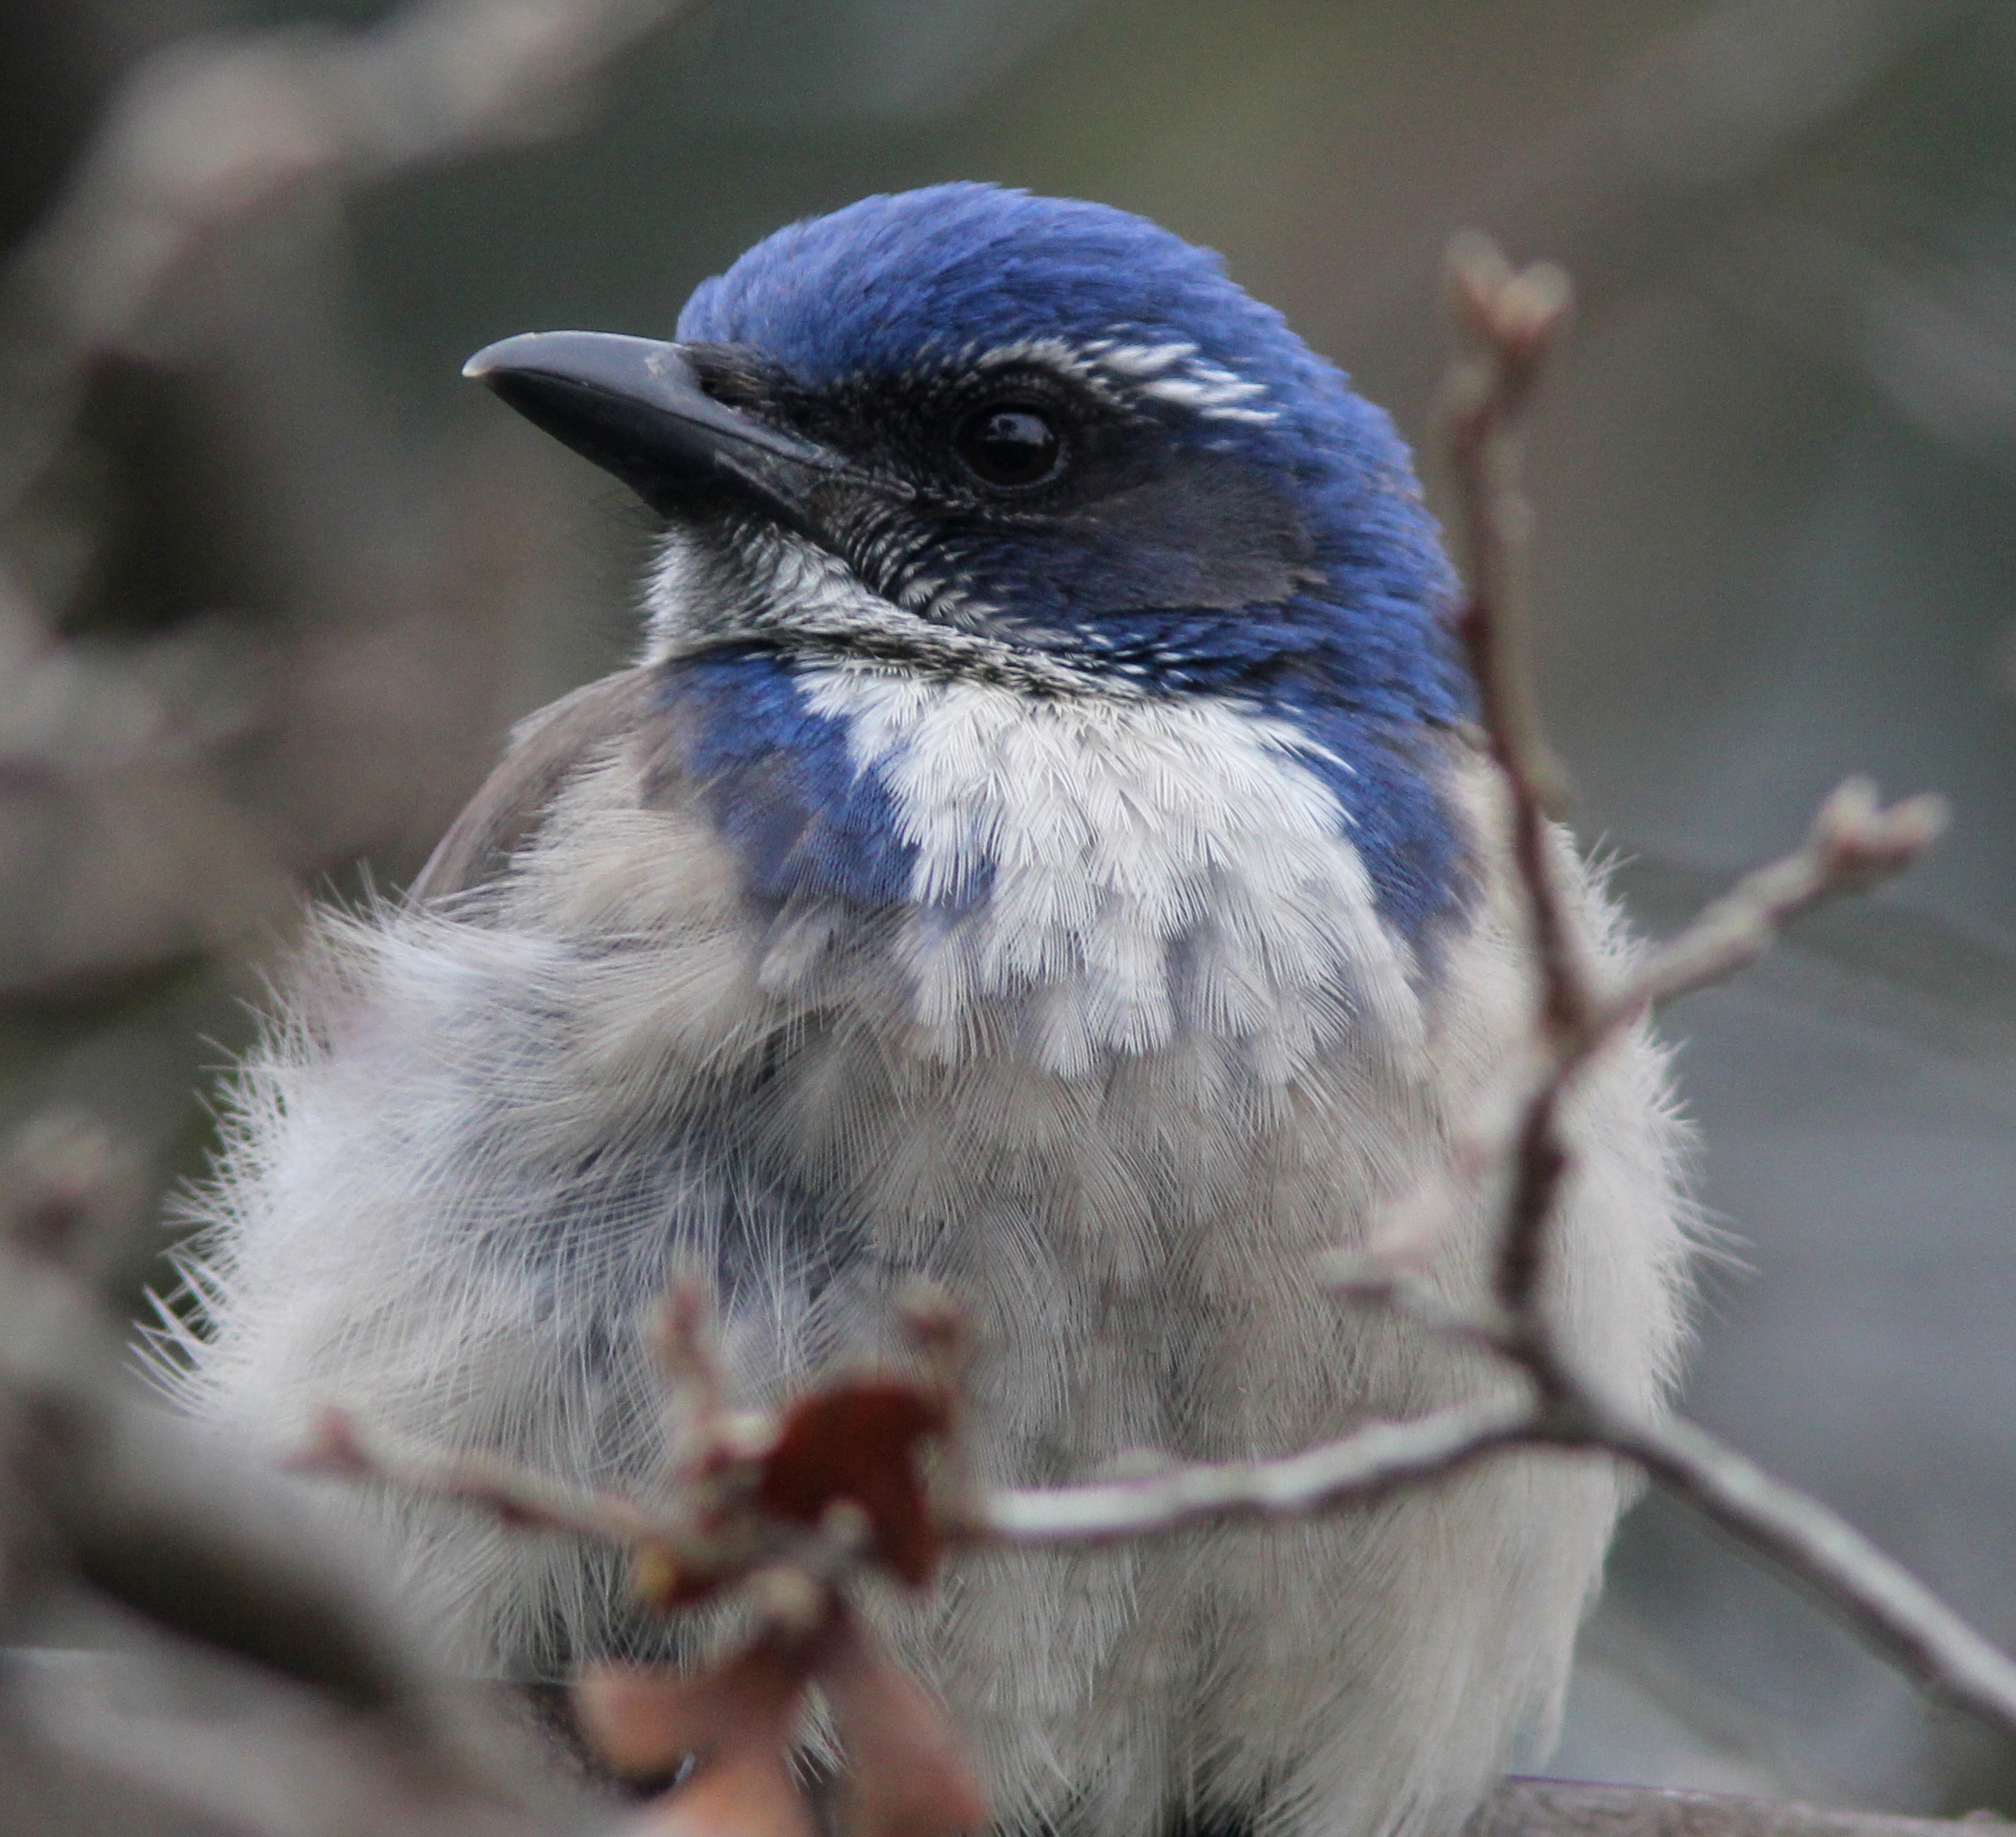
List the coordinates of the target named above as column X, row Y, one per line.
column 1394, row 815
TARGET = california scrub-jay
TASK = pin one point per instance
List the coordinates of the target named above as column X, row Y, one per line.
column 1042, row 847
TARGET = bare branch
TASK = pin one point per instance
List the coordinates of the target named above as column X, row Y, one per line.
column 341, row 1448
column 1854, row 842
column 1512, row 320
column 1815, row 1545
column 1373, row 1460
column 703, row 1434
column 1823, row 1553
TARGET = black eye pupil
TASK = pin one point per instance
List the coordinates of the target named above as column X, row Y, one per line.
column 1009, row 446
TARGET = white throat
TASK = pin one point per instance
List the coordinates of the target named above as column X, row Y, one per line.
column 1138, row 867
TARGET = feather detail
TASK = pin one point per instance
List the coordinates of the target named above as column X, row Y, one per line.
column 544, row 749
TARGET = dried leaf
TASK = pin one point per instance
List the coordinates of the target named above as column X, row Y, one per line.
column 643, row 1722
column 660, row 1580
column 905, row 1775
column 858, row 1442
column 747, row 1792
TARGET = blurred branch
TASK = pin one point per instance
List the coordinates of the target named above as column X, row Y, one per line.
column 1560, row 1808
column 206, row 133
column 243, row 639
column 339, row 1448
column 103, row 1497
column 240, row 641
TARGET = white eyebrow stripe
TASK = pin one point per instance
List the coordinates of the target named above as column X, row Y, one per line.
column 1196, row 391
column 1171, row 373
column 1142, row 360
column 1056, row 353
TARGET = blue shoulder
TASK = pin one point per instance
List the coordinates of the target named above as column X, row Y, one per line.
column 778, row 780
column 1388, row 779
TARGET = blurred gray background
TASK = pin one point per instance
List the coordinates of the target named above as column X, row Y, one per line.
column 294, row 579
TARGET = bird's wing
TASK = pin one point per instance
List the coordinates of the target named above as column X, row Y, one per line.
column 545, row 748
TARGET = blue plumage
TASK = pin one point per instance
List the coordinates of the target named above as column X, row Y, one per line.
column 807, row 822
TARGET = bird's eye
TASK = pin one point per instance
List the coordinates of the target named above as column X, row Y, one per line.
column 1009, row 443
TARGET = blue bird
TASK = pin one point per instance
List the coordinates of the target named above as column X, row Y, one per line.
column 1041, row 846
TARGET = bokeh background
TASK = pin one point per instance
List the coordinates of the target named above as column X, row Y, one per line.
column 274, row 581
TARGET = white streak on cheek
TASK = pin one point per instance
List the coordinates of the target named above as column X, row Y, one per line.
column 671, row 587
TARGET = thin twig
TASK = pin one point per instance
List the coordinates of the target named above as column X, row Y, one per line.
column 341, row 1448
column 206, row 135
column 1814, row 1544
column 1373, row 1460
column 1853, row 843
column 1825, row 1554
column 1512, row 320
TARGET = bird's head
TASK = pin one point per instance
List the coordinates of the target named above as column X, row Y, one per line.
column 969, row 431
column 974, row 429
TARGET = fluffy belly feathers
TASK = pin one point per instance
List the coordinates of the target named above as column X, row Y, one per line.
column 1158, row 1049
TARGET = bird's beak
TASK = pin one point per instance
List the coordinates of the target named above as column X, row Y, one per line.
column 636, row 407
